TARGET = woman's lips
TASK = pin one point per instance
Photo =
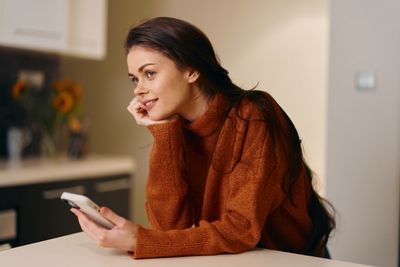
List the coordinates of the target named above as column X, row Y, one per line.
column 149, row 104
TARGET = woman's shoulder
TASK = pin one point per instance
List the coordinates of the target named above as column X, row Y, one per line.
column 255, row 105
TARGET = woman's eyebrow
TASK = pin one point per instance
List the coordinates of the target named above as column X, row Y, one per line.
column 144, row 65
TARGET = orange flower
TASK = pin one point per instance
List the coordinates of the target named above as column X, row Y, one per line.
column 76, row 91
column 70, row 86
column 74, row 124
column 63, row 102
column 17, row 89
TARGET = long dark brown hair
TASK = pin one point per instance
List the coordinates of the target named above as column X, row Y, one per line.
column 189, row 47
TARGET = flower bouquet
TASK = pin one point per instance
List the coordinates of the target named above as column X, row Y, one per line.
column 57, row 112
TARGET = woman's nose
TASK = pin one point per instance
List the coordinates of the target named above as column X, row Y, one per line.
column 139, row 90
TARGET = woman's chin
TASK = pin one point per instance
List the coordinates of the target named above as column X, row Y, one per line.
column 157, row 117
column 160, row 117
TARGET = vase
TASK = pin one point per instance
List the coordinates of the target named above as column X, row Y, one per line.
column 48, row 146
column 77, row 145
column 17, row 140
column 53, row 144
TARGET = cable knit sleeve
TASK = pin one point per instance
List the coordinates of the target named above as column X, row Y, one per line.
column 254, row 193
column 166, row 186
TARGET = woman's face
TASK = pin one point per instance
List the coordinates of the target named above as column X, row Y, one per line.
column 159, row 85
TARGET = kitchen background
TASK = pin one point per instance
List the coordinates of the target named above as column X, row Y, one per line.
column 333, row 65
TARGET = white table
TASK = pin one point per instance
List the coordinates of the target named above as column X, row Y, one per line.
column 78, row 250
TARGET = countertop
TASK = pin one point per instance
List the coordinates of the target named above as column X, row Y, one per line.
column 33, row 171
column 79, row 250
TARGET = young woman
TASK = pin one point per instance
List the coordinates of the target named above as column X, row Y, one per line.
column 226, row 169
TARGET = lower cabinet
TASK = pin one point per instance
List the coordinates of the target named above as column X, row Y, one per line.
column 40, row 214
column 9, row 206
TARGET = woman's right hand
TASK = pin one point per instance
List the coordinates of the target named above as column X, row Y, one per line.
column 139, row 112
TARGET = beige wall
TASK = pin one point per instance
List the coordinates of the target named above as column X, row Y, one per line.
column 364, row 130
column 281, row 44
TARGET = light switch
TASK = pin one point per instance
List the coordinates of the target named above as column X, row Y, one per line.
column 366, row 80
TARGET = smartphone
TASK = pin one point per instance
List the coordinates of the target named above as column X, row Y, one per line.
column 88, row 207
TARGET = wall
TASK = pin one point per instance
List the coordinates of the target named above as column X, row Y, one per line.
column 280, row 44
column 364, row 130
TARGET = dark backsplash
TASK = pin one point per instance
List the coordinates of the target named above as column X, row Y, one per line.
column 11, row 62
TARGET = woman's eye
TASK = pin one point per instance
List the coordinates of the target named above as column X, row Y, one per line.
column 150, row 74
column 135, row 82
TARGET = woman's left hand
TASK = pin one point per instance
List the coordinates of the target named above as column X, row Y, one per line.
column 121, row 236
column 138, row 110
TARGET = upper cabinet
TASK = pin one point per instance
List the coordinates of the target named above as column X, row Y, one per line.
column 70, row 27
column 88, row 28
column 37, row 24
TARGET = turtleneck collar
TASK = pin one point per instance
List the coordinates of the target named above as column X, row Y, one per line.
column 207, row 123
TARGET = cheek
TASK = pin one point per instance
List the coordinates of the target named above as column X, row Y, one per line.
column 173, row 92
column 170, row 91
column 161, row 87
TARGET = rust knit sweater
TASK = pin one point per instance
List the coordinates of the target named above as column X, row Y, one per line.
column 215, row 186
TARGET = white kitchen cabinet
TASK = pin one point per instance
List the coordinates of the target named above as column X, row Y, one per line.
column 69, row 27
column 35, row 24
column 88, row 28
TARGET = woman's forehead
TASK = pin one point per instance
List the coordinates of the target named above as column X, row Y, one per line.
column 139, row 55
column 141, row 52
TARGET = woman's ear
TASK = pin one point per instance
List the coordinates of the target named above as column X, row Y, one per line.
column 192, row 75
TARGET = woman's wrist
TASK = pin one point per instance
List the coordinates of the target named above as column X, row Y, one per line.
column 135, row 231
column 132, row 248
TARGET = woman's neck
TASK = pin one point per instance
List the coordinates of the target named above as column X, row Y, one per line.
column 196, row 106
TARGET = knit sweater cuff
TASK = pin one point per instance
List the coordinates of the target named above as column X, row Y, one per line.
column 143, row 250
column 161, row 130
column 152, row 243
